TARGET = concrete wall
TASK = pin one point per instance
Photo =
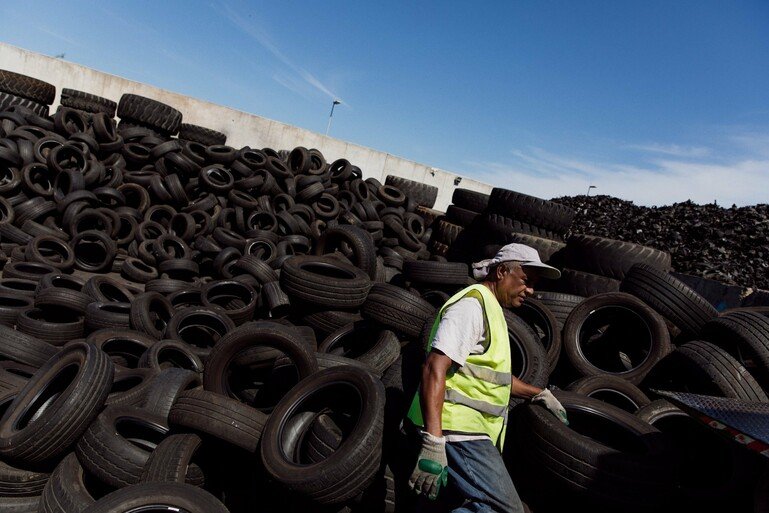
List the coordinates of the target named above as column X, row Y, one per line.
column 241, row 128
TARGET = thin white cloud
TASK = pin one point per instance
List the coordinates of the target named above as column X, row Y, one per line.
column 58, row 36
column 673, row 150
column 260, row 35
column 742, row 181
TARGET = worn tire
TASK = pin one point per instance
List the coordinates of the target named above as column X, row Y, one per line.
column 704, row 368
column 612, row 390
column 616, row 338
column 547, row 215
column 172, row 497
column 87, row 102
column 609, row 257
column 397, row 309
column 202, row 135
column 155, row 114
column 56, row 427
column 425, row 195
column 65, row 491
column 670, row 297
column 220, row 417
column 27, row 87
column 355, row 462
column 470, row 200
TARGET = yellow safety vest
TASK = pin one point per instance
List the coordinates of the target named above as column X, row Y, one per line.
column 477, row 393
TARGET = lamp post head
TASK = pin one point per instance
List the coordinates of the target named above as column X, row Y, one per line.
column 337, row 102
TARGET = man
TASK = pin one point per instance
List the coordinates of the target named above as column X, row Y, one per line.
column 461, row 406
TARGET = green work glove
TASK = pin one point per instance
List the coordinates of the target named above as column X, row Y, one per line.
column 431, row 471
column 548, row 400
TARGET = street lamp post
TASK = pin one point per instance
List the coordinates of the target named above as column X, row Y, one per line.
column 334, row 104
column 590, row 187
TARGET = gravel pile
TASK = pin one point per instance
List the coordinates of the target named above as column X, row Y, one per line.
column 730, row 245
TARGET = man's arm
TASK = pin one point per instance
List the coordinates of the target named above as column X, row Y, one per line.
column 523, row 390
column 433, row 389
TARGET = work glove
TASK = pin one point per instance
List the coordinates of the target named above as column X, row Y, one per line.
column 548, row 400
column 431, row 471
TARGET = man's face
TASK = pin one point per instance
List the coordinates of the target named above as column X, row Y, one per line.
column 514, row 286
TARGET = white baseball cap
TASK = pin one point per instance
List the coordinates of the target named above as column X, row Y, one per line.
column 526, row 255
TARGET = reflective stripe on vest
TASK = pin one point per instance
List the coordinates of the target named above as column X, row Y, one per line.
column 478, row 393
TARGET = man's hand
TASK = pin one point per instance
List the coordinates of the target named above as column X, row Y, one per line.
column 431, row 471
column 548, row 400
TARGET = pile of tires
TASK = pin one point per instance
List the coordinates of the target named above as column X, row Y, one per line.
column 626, row 448
column 194, row 326
column 189, row 326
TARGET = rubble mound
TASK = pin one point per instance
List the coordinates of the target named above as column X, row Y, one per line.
column 730, row 245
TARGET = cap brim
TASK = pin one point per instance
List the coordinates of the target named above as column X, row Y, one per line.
column 546, row 271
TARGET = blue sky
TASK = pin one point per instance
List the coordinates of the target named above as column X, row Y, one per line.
column 652, row 101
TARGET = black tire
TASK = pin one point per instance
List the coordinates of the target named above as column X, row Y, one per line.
column 362, row 342
column 150, row 313
column 21, row 482
column 397, row 309
column 425, row 195
column 609, row 257
column 125, row 347
column 355, row 462
column 87, row 102
column 681, row 305
column 258, row 335
column 22, row 348
column 167, row 354
column 549, row 250
column 130, row 386
column 220, row 417
column 328, row 321
column 544, row 324
column 27, row 87
column 606, row 458
column 19, row 504
column 496, row 228
column 470, row 200
column 65, row 491
column 559, row 304
column 63, row 398
column 200, row 327
column 612, row 390
column 438, row 273
column 460, row 216
column 154, row 114
column 362, row 252
column 158, row 497
column 165, row 389
column 627, row 337
column 744, row 335
column 547, row 215
column 585, row 284
column 116, row 445
column 202, row 135
column 446, row 232
column 528, row 357
column 9, row 100
column 704, row 368
column 324, row 281
column 171, row 460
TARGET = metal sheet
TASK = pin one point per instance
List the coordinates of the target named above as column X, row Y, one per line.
column 745, row 421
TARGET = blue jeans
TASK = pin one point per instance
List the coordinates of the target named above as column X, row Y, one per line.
column 478, row 482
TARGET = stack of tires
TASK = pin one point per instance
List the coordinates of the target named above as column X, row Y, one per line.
column 477, row 225
column 626, row 448
column 202, row 327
